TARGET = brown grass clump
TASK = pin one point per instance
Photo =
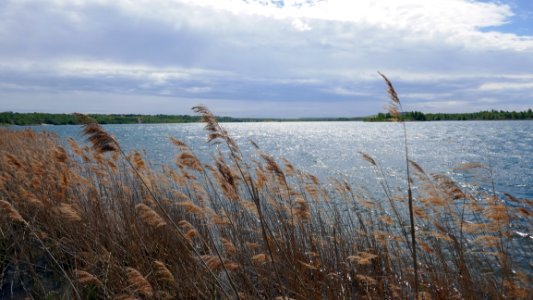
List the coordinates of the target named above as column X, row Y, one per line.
column 68, row 212
column 75, row 221
column 86, row 278
column 99, row 138
column 149, row 216
column 138, row 283
column 11, row 212
column 163, row 273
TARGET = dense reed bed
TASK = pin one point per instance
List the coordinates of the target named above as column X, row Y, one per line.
column 91, row 222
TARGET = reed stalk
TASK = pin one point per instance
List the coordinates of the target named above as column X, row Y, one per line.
column 396, row 109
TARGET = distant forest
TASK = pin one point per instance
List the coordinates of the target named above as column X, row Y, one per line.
column 12, row 118
column 482, row 115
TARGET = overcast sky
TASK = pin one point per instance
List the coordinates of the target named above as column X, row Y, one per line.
column 264, row 58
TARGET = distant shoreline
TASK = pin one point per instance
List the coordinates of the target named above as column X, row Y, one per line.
column 26, row 119
column 492, row 115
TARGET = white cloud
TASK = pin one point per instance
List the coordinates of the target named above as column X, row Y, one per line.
column 300, row 25
column 198, row 89
column 343, row 91
column 94, row 68
column 500, row 86
column 426, row 96
column 457, row 22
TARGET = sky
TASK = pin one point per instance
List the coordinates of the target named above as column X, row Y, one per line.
column 264, row 58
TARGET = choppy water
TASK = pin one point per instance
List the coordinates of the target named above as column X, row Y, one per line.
column 331, row 149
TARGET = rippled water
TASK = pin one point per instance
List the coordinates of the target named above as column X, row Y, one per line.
column 331, row 149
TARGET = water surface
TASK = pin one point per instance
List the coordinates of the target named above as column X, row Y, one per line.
column 331, row 149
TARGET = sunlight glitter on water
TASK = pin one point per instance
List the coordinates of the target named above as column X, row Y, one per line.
column 331, row 149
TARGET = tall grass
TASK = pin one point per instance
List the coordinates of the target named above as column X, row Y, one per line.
column 93, row 222
column 395, row 108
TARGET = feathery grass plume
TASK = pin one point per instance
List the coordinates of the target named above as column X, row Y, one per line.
column 101, row 140
column 225, row 170
column 139, row 283
column 163, row 273
column 497, row 213
column 368, row 158
column 64, row 180
column 190, row 207
column 149, row 216
column 255, row 145
column 259, row 258
column 31, row 199
column 75, row 147
column 386, row 219
column 251, row 245
column 86, row 278
column 274, row 168
column 289, row 168
column 220, row 219
column 189, row 160
column 447, row 185
column 366, row 279
column 12, row 161
column 212, row 262
column 60, row 154
column 525, row 212
column 228, row 246
column 200, row 194
column 68, row 212
column 211, row 124
column 362, row 258
column 190, row 230
column 420, row 212
column 417, row 167
column 301, row 210
column 216, row 132
column 260, row 178
column 487, row 240
column 13, row 214
column 179, row 144
column 307, row 266
column 394, row 107
column 250, row 208
column 138, row 161
column 469, row 166
column 511, row 197
column 231, row 265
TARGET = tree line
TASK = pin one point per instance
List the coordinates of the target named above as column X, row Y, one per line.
column 482, row 115
column 13, row 118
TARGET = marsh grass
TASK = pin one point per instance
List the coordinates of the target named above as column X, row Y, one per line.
column 94, row 222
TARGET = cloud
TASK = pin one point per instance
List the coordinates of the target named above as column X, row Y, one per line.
column 343, row 91
column 263, row 54
column 499, row 86
column 300, row 26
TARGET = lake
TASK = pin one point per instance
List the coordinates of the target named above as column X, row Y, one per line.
column 331, row 149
